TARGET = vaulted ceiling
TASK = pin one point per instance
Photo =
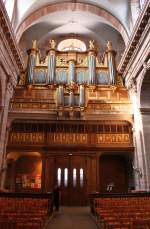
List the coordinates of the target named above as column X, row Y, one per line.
column 101, row 20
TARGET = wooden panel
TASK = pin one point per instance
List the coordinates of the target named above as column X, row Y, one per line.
column 49, row 174
column 62, row 163
column 91, row 174
column 113, row 171
column 78, row 186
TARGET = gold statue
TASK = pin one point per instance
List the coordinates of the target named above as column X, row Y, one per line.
column 34, row 44
column 91, row 44
column 52, row 44
column 109, row 45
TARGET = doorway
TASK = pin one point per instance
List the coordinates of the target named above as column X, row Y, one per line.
column 113, row 174
column 70, row 175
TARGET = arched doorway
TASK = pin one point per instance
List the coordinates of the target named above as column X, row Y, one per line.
column 113, row 174
column 24, row 172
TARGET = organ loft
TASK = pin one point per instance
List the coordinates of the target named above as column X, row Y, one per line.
column 74, row 114
column 70, row 123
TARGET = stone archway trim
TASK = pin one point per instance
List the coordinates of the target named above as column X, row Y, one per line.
column 47, row 9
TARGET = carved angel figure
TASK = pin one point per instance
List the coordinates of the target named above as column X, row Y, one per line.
column 91, row 44
column 52, row 44
column 109, row 45
column 34, row 44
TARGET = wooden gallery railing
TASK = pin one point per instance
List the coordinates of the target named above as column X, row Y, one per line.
column 25, row 210
column 121, row 211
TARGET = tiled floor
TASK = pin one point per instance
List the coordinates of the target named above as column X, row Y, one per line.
column 72, row 218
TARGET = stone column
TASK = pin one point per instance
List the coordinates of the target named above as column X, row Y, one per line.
column 111, row 63
column 31, row 65
column 4, row 133
column 51, row 66
column 145, row 116
column 82, row 96
column 139, row 163
column 92, row 67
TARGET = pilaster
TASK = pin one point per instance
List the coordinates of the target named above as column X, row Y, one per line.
column 139, row 163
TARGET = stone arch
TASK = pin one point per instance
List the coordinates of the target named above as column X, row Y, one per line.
column 145, row 91
column 23, row 165
column 47, row 9
column 143, row 104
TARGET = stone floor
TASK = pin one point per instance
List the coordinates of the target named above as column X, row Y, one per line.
column 72, row 218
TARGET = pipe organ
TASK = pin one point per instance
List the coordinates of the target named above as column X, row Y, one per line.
column 70, row 74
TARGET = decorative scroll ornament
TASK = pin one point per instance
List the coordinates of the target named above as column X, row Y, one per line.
column 61, row 60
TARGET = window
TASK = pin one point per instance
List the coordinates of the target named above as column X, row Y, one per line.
column 59, row 177
column 81, row 177
column 74, row 177
column 72, row 45
column 65, row 177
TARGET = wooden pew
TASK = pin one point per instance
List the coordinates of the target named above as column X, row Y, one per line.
column 24, row 210
column 122, row 211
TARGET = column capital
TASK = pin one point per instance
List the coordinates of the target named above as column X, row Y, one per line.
column 132, row 86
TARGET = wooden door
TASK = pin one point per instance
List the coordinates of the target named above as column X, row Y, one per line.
column 113, row 174
column 61, row 177
column 70, row 175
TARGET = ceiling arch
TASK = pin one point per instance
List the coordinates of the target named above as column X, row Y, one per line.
column 118, row 8
column 40, row 13
column 145, row 92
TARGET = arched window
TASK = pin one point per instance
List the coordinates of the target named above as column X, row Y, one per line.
column 72, row 45
column 9, row 4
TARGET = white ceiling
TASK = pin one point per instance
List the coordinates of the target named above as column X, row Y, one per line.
column 84, row 25
column 118, row 8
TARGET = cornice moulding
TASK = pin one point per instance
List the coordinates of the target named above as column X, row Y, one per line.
column 10, row 36
column 137, row 33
